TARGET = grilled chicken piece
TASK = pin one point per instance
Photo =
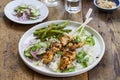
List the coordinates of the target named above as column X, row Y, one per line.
column 55, row 46
column 67, row 59
column 49, row 55
column 78, row 45
column 64, row 62
column 73, row 46
column 70, row 54
column 65, row 39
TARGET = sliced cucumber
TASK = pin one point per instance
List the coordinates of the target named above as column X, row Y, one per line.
column 33, row 18
column 36, row 14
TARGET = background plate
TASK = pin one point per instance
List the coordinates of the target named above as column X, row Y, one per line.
column 9, row 10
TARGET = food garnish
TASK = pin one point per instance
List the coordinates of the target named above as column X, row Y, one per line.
column 26, row 12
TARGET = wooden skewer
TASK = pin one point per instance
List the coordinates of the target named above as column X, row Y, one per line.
column 88, row 13
column 88, row 19
column 83, row 25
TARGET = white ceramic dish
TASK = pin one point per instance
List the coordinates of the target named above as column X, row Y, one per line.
column 73, row 25
column 9, row 10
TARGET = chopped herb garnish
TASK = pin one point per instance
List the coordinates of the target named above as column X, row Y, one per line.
column 82, row 59
column 70, row 69
column 89, row 40
column 60, row 52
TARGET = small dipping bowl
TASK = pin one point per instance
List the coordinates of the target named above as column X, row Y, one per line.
column 117, row 2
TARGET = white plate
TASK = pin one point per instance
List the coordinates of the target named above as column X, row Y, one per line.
column 9, row 10
column 100, row 48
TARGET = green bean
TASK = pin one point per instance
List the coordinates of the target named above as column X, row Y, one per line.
column 43, row 35
column 52, row 26
column 40, row 31
column 63, row 24
column 67, row 31
column 33, row 18
column 57, row 31
column 51, row 30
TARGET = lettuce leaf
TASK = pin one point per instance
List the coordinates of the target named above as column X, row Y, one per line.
column 82, row 59
column 89, row 40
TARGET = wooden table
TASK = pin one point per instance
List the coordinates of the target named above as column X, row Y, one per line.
column 107, row 24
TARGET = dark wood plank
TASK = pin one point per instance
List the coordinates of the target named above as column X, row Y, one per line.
column 78, row 77
column 115, row 38
column 107, row 25
column 11, row 65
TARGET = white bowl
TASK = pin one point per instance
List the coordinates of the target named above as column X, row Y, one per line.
column 9, row 10
column 27, row 35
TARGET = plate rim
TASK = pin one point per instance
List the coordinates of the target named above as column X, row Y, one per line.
column 62, row 74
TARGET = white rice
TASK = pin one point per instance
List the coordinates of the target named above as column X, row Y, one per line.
column 54, row 64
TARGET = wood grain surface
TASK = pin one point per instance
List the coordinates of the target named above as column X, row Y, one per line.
column 107, row 24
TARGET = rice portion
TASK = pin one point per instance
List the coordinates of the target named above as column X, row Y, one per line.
column 55, row 63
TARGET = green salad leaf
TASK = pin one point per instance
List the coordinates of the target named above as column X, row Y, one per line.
column 60, row 52
column 58, row 71
column 89, row 40
column 27, row 52
column 77, row 38
column 70, row 69
column 82, row 59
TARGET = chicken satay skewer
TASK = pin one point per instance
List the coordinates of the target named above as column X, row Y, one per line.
column 47, row 58
column 70, row 36
column 69, row 57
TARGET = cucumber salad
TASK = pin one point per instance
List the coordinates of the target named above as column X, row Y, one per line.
column 26, row 12
column 59, row 49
